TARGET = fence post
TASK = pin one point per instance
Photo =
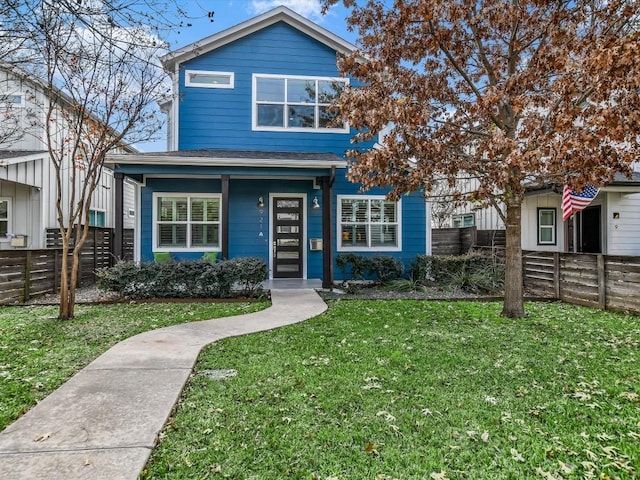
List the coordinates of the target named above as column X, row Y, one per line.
column 556, row 275
column 602, row 283
column 56, row 270
column 27, row 277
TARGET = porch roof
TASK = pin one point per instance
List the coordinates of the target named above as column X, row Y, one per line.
column 10, row 157
column 229, row 158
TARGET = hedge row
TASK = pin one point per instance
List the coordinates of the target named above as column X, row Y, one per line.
column 192, row 279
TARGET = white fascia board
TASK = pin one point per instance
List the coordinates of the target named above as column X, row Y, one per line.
column 252, row 25
column 222, row 162
column 26, row 158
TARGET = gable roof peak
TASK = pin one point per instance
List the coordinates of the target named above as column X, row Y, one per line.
column 231, row 34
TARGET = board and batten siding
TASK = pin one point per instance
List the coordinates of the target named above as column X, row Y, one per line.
column 530, row 207
column 623, row 233
column 221, row 118
column 30, row 114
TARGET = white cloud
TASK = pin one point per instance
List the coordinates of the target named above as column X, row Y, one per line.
column 306, row 8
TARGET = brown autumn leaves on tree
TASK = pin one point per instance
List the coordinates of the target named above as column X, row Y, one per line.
column 511, row 93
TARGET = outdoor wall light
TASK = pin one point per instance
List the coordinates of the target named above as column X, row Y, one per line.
column 315, row 204
column 260, row 202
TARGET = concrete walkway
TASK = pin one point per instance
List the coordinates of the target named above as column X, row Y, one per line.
column 104, row 422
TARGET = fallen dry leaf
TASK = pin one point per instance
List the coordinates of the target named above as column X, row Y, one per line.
column 42, row 437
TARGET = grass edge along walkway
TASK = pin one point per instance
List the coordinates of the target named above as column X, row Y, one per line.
column 415, row 390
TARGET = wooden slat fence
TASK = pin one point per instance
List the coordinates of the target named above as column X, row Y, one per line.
column 452, row 241
column 594, row 280
column 458, row 241
column 29, row 273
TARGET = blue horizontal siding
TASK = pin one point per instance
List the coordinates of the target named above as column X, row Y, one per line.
column 245, row 225
column 221, row 118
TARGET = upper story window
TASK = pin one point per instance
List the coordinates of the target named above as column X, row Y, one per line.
column 186, row 222
column 296, row 103
column 368, row 223
column 206, row 79
column 11, row 99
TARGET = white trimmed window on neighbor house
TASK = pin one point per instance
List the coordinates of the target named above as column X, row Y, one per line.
column 185, row 222
column 464, row 220
column 296, row 103
column 5, row 216
column 547, row 226
column 97, row 218
column 369, row 223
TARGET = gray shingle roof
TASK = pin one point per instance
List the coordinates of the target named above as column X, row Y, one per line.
column 6, row 154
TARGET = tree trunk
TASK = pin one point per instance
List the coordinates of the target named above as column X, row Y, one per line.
column 513, row 290
column 63, row 311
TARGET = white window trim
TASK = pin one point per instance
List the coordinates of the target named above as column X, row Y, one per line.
column 552, row 227
column 154, row 233
column 7, row 238
column 254, row 109
column 340, row 248
column 187, row 81
column 462, row 216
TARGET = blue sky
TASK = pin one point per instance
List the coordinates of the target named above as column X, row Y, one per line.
column 231, row 12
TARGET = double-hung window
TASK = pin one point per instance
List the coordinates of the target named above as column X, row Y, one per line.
column 186, row 222
column 296, row 103
column 5, row 217
column 546, row 226
column 369, row 223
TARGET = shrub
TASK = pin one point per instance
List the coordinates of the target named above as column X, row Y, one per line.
column 356, row 265
column 251, row 272
column 474, row 272
column 380, row 268
column 192, row 279
column 384, row 268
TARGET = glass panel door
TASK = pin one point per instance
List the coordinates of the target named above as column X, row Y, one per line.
column 287, row 237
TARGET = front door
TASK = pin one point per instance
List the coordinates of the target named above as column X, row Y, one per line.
column 287, row 251
column 590, row 231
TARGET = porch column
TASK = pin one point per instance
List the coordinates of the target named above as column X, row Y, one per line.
column 225, row 217
column 327, row 231
column 118, row 237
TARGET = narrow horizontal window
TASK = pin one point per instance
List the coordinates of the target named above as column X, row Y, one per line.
column 464, row 220
column 205, row 79
column 11, row 99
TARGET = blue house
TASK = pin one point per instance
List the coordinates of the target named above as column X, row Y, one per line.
column 255, row 163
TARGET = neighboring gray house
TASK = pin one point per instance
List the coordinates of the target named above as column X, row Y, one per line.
column 609, row 225
column 27, row 176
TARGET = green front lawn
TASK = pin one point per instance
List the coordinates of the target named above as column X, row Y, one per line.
column 415, row 390
column 38, row 353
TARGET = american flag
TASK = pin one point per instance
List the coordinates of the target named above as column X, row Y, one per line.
column 574, row 201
